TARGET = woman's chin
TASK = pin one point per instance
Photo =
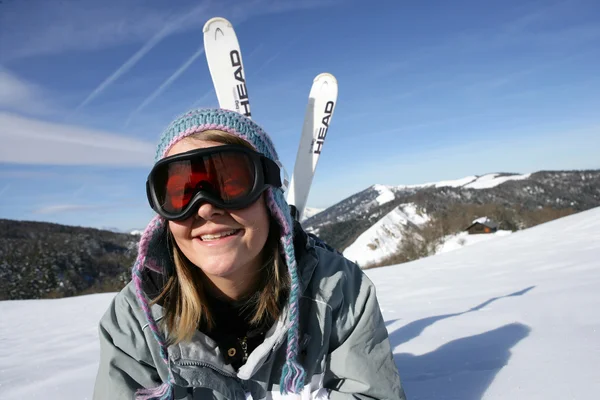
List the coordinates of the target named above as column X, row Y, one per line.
column 222, row 269
column 228, row 264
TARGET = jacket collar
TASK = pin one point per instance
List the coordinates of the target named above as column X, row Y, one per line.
column 306, row 256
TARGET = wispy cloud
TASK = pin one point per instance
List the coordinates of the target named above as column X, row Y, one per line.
column 4, row 189
column 254, row 51
column 408, row 129
column 527, row 19
column 89, row 25
column 34, row 141
column 204, row 100
column 539, row 29
column 86, row 25
column 188, row 19
column 406, row 94
column 166, row 83
column 533, row 27
column 63, row 208
column 149, row 45
column 16, row 94
column 77, row 193
column 27, row 174
column 282, row 50
column 69, row 208
column 499, row 81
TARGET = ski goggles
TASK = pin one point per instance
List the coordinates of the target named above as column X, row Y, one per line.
column 228, row 176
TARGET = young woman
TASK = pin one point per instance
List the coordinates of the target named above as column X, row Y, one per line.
column 229, row 298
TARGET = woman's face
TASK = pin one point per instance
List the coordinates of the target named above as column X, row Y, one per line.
column 225, row 244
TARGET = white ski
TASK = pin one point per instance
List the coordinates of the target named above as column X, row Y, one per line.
column 225, row 64
column 321, row 104
column 224, row 59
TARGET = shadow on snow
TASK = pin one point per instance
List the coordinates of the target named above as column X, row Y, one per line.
column 461, row 369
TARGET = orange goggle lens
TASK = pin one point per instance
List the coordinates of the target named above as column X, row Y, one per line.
column 226, row 176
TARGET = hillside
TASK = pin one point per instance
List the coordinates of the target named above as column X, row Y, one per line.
column 44, row 260
column 516, row 201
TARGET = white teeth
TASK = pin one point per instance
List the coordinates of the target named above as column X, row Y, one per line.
column 219, row 235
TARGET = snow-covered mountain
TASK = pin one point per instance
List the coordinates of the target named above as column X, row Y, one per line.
column 382, row 239
column 512, row 318
column 473, row 182
column 351, row 223
column 310, row 212
column 375, row 196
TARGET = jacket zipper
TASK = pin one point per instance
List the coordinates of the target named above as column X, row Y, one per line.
column 244, row 345
column 201, row 364
column 218, row 370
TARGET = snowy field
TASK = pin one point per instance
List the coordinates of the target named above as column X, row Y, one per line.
column 511, row 318
column 517, row 317
column 463, row 239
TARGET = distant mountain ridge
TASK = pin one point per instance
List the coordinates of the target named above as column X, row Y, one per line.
column 341, row 224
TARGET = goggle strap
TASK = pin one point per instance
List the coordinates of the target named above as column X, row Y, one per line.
column 272, row 172
column 285, row 185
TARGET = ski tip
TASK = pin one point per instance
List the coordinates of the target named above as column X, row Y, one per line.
column 215, row 20
column 325, row 76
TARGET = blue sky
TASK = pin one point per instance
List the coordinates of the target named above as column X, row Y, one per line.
column 428, row 91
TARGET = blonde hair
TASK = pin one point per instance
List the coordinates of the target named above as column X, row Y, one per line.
column 185, row 302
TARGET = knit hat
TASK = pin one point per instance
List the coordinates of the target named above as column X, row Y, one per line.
column 152, row 250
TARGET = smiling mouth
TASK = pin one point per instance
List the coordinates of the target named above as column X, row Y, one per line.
column 208, row 238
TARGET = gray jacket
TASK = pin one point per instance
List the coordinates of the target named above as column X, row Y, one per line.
column 345, row 348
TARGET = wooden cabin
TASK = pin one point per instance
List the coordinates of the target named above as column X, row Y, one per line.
column 482, row 225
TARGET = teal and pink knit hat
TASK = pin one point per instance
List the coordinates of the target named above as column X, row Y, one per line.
column 152, row 252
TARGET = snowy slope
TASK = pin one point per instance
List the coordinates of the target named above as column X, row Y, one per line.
column 492, row 180
column 385, row 194
column 472, row 182
column 463, row 239
column 49, row 348
column 310, row 212
column 513, row 318
column 382, row 239
column 451, row 183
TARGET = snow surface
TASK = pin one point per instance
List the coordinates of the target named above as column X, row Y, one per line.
column 310, row 212
column 481, row 220
column 512, row 318
column 49, row 348
column 383, row 237
column 463, row 239
column 451, row 183
column 471, row 182
column 385, row 194
column 493, row 180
